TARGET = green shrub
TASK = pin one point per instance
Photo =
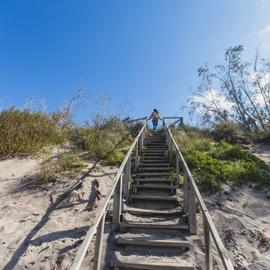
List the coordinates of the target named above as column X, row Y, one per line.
column 23, row 132
column 228, row 131
column 103, row 141
column 213, row 163
column 66, row 165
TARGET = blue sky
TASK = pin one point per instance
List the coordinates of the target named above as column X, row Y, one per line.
column 143, row 53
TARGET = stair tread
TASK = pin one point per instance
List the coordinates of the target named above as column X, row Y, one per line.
column 151, row 265
column 139, row 211
column 154, row 197
column 140, row 241
column 154, row 180
column 155, row 186
column 142, row 225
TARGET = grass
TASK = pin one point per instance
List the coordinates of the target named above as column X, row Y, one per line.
column 67, row 165
column 23, row 132
column 216, row 162
column 107, row 141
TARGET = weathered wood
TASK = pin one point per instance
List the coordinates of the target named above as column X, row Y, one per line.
column 153, row 243
column 126, row 178
column 155, row 186
column 192, row 210
column 84, row 246
column 98, row 247
column 117, row 204
column 141, row 225
column 152, row 265
column 185, row 189
column 153, row 198
column 151, row 212
column 223, row 254
column 207, row 243
column 137, row 158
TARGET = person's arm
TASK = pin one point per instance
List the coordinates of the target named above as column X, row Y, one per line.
column 160, row 117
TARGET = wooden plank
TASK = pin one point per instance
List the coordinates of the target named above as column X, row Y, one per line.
column 155, row 186
column 192, row 210
column 185, row 189
column 141, row 225
column 164, row 180
column 153, row 243
column 153, row 197
column 152, row 212
column 126, row 178
column 207, row 244
column 98, row 247
column 117, row 203
column 152, row 265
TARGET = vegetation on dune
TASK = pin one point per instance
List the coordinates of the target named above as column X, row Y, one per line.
column 216, row 162
column 66, row 165
column 107, row 139
column 24, row 132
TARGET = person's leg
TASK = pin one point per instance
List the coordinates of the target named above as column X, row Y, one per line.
column 155, row 123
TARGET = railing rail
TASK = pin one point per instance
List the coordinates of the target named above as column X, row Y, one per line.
column 191, row 195
column 121, row 180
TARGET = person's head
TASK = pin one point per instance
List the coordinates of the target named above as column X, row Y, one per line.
column 155, row 110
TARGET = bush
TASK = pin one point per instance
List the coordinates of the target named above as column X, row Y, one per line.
column 228, row 131
column 66, row 165
column 23, row 132
column 213, row 163
column 103, row 141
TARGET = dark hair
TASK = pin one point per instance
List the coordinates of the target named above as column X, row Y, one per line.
column 155, row 110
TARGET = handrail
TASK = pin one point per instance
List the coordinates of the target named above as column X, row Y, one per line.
column 93, row 228
column 208, row 222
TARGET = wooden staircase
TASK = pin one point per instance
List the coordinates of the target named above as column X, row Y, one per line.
column 154, row 232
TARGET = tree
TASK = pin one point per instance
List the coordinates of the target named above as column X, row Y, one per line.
column 234, row 91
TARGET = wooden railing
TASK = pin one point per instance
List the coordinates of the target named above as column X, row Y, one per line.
column 192, row 196
column 119, row 190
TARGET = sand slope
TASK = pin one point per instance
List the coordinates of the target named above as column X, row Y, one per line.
column 34, row 232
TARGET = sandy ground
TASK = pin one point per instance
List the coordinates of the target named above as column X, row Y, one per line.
column 34, row 232
column 262, row 151
column 242, row 217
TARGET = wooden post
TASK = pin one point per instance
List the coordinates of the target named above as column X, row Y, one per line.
column 141, row 142
column 137, row 158
column 98, row 247
column 192, row 210
column 177, row 166
column 126, row 178
column 117, row 203
column 185, row 189
column 207, row 243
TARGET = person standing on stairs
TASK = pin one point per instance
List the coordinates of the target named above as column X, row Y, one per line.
column 155, row 117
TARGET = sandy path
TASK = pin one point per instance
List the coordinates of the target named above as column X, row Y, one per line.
column 35, row 234
column 242, row 216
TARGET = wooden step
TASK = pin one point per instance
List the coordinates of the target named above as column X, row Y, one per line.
column 150, row 265
column 154, row 226
column 153, row 197
column 151, row 160
column 153, row 174
column 155, row 164
column 178, row 211
column 155, row 186
column 154, row 180
column 153, row 243
column 166, row 169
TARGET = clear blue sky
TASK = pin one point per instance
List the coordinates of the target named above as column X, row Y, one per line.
column 143, row 52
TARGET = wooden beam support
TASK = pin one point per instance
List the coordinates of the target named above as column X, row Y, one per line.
column 207, row 243
column 126, row 178
column 192, row 210
column 117, row 204
column 98, row 247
